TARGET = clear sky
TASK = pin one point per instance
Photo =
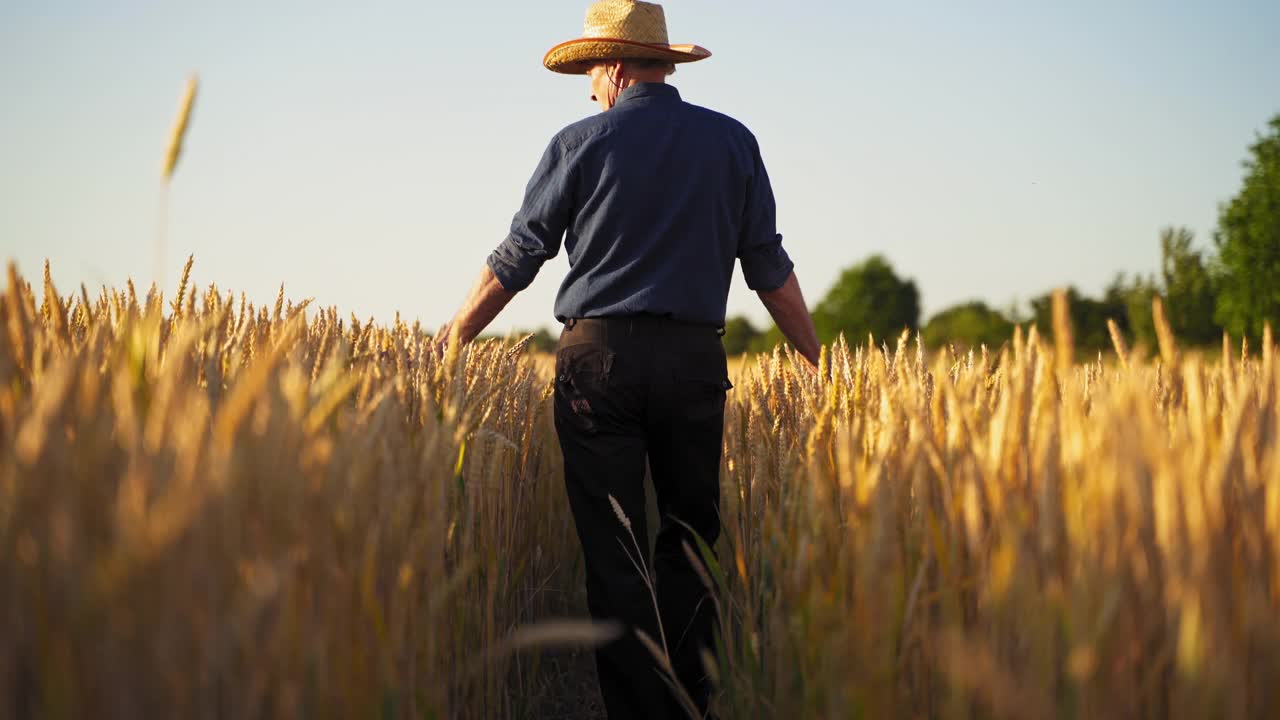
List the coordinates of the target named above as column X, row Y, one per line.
column 371, row 154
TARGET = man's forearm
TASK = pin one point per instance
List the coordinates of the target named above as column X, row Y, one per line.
column 786, row 305
column 483, row 303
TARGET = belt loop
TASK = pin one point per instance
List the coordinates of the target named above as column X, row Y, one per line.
column 568, row 324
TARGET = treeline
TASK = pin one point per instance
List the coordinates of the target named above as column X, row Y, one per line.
column 1233, row 287
column 870, row 298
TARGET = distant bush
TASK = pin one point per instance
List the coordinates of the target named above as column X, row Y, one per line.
column 970, row 324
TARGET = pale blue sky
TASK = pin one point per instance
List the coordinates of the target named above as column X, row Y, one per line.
column 372, row 154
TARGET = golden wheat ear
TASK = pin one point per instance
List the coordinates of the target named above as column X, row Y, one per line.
column 178, row 134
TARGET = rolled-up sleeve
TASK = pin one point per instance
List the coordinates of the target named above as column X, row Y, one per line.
column 539, row 226
column 765, row 264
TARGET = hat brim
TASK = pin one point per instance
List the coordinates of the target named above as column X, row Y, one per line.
column 576, row 57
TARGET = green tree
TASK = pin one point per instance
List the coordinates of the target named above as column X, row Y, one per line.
column 1186, row 285
column 1248, row 241
column 969, row 324
column 1189, row 292
column 1088, row 318
column 739, row 335
column 767, row 340
column 868, row 298
column 542, row 341
column 1134, row 296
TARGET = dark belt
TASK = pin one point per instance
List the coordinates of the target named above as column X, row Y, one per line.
column 637, row 327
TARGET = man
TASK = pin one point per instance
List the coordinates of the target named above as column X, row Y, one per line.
column 654, row 199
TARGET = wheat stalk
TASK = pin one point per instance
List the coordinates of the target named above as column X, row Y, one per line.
column 173, row 151
column 178, row 133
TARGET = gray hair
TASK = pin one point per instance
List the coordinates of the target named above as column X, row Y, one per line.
column 634, row 64
column 649, row 64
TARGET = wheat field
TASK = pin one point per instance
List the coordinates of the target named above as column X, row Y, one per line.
column 212, row 509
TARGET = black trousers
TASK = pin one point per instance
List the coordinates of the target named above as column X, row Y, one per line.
column 629, row 389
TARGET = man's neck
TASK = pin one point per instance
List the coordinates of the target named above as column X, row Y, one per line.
column 655, row 76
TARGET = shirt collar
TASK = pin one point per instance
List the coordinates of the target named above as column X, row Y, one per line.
column 661, row 91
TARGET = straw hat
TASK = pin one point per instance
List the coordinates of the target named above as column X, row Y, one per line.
column 618, row 30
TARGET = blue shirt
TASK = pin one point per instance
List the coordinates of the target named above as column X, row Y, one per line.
column 654, row 200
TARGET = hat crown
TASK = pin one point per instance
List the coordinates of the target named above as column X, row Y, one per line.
column 626, row 20
column 617, row 30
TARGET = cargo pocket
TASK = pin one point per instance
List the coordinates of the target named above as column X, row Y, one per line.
column 582, row 381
